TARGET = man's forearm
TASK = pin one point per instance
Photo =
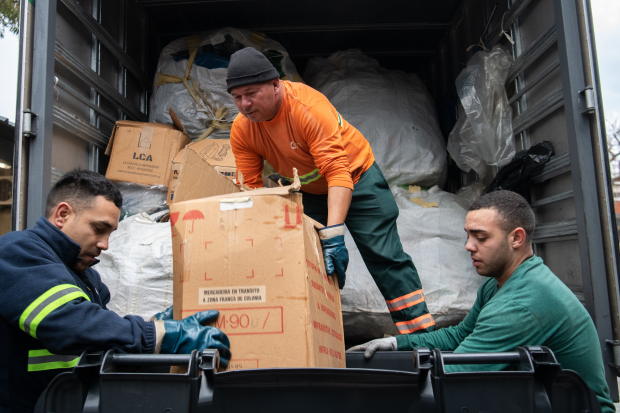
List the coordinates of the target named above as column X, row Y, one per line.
column 444, row 339
column 338, row 202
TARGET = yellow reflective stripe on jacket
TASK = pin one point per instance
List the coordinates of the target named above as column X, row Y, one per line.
column 39, row 360
column 307, row 178
column 45, row 304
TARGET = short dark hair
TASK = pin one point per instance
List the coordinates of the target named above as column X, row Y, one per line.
column 79, row 188
column 512, row 209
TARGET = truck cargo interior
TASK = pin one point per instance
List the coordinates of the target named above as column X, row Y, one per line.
column 432, row 40
column 104, row 56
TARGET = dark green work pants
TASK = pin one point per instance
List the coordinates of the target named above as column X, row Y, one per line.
column 372, row 223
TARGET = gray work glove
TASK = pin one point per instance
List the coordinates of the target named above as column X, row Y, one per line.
column 380, row 344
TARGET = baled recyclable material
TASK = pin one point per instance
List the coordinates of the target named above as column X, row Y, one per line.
column 392, row 109
column 137, row 266
column 256, row 258
column 216, row 152
column 142, row 152
column 435, row 240
column 191, row 78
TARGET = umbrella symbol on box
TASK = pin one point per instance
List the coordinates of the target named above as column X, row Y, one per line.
column 173, row 220
column 194, row 214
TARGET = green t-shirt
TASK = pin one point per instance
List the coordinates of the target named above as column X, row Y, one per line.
column 533, row 308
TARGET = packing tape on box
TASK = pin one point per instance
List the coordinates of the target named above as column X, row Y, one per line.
column 229, row 204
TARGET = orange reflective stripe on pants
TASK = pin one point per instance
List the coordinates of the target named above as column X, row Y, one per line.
column 411, row 326
column 405, row 301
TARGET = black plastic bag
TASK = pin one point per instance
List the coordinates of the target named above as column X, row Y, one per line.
column 516, row 175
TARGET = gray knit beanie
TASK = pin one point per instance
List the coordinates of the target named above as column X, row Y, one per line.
column 248, row 66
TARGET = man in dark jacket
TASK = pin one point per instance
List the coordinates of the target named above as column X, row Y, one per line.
column 53, row 304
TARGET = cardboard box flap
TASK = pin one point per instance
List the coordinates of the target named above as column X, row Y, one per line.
column 133, row 123
column 198, row 179
column 179, row 156
column 285, row 190
column 176, row 121
column 108, row 149
column 316, row 224
column 244, row 192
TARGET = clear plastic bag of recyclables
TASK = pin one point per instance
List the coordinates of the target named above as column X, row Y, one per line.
column 191, row 78
column 485, row 136
column 141, row 198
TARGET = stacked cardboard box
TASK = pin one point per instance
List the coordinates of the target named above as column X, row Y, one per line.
column 142, row 152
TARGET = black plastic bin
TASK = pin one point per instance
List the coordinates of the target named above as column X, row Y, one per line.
column 390, row 381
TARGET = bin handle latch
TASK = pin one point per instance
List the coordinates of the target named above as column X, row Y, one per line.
column 209, row 362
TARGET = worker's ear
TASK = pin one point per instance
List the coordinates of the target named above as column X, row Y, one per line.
column 517, row 238
column 61, row 215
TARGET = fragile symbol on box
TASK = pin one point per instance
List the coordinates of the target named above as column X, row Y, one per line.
column 287, row 219
column 232, row 295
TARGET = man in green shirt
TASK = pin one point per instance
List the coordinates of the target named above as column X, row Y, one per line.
column 521, row 303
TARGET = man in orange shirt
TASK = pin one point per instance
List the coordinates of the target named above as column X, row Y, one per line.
column 291, row 125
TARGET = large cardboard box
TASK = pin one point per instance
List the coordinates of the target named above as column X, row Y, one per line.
column 216, row 152
column 142, row 152
column 256, row 258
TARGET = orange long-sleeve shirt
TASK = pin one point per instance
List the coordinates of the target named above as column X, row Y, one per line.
column 308, row 134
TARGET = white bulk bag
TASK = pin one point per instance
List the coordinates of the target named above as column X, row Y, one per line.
column 435, row 240
column 137, row 267
column 392, row 109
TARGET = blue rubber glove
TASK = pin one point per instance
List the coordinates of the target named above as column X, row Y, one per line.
column 164, row 315
column 189, row 334
column 335, row 253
